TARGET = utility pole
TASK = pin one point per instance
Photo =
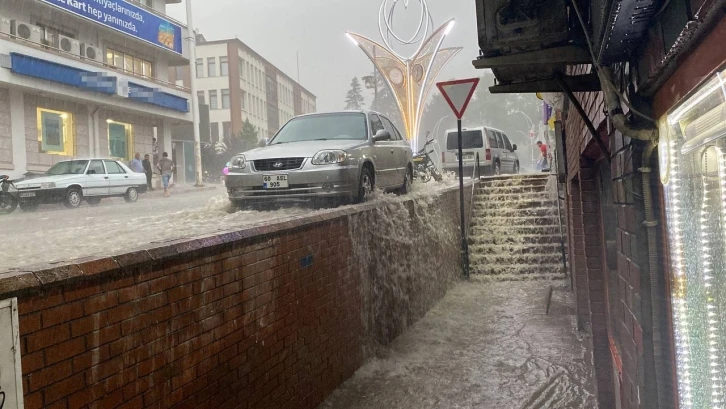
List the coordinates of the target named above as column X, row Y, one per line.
column 195, row 100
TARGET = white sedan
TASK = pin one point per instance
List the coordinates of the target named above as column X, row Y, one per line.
column 73, row 181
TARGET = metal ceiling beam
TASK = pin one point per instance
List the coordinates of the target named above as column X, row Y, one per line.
column 588, row 123
column 568, row 54
column 577, row 83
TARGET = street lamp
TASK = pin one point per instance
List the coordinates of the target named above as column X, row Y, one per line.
column 195, row 101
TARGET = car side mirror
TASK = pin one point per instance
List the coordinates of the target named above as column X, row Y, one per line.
column 263, row 143
column 514, row 147
column 382, row 135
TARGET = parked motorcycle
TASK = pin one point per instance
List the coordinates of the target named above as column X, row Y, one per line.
column 424, row 167
column 8, row 195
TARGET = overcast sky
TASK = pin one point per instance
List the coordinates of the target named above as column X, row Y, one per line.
column 278, row 29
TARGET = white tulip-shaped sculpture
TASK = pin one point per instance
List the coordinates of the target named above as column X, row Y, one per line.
column 410, row 78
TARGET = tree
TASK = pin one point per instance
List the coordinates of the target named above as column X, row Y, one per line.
column 248, row 136
column 354, row 100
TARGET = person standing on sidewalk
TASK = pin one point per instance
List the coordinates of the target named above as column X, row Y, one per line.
column 148, row 171
column 135, row 164
column 166, row 167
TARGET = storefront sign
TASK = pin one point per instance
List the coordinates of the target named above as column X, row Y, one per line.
column 127, row 18
column 11, row 385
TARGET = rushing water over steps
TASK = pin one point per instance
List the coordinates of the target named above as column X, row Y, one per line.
column 515, row 231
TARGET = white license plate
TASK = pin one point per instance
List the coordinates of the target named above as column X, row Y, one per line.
column 274, row 182
column 30, row 194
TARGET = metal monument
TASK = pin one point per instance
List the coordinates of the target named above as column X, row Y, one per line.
column 409, row 78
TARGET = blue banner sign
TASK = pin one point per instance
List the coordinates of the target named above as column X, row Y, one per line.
column 127, row 18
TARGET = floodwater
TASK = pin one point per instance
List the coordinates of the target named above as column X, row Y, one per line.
column 485, row 345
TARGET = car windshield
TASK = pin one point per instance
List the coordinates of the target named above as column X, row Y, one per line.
column 341, row 126
column 469, row 140
column 71, row 167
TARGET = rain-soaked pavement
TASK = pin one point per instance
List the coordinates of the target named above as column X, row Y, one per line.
column 485, row 345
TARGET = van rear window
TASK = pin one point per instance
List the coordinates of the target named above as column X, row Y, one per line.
column 469, row 140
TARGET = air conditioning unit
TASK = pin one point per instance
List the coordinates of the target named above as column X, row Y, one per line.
column 67, row 44
column 6, row 26
column 27, row 31
column 92, row 53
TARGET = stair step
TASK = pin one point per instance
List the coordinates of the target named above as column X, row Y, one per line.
column 521, row 221
column 521, row 277
column 515, row 204
column 511, row 190
column 518, row 249
column 513, row 182
column 484, row 213
column 516, row 259
column 514, row 231
column 483, row 195
column 518, row 270
column 494, row 239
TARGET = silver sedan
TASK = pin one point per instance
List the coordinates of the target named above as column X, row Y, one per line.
column 333, row 155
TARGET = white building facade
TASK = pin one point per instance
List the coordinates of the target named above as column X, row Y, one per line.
column 239, row 85
column 87, row 78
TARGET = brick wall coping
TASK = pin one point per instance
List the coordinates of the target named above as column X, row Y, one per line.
column 32, row 280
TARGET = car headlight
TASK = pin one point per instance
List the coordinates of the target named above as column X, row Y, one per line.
column 329, row 157
column 238, row 162
column 48, row 185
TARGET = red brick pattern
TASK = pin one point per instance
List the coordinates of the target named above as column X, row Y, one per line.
column 252, row 322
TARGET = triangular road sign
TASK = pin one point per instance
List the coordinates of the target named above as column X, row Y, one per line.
column 458, row 94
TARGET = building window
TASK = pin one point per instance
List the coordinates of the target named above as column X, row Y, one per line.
column 199, row 68
column 129, row 63
column 200, row 97
column 213, row 99
column 248, row 71
column 241, row 68
column 120, row 140
column 244, row 100
column 227, row 129
column 225, row 99
column 224, row 66
column 55, row 132
column 212, row 66
column 214, row 126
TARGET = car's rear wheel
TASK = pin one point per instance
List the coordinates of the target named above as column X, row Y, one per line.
column 516, row 168
column 497, row 169
column 93, row 201
column 366, row 185
column 74, row 198
column 132, row 195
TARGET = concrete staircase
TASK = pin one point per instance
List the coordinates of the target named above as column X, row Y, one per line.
column 515, row 229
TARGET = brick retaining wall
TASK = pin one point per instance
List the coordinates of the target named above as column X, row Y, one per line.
column 275, row 316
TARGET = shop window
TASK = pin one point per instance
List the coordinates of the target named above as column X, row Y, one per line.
column 55, row 132
column 120, row 140
column 693, row 170
column 129, row 63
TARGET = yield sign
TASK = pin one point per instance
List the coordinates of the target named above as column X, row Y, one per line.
column 458, row 94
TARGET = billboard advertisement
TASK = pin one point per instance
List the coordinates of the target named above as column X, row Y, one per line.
column 127, row 18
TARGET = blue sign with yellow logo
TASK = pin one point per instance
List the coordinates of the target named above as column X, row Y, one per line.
column 127, row 18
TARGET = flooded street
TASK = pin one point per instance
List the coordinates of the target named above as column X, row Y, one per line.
column 485, row 345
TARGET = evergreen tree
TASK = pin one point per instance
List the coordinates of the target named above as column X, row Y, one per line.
column 248, row 136
column 354, row 99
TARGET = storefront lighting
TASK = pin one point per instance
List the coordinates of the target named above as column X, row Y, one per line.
column 698, row 98
column 109, row 121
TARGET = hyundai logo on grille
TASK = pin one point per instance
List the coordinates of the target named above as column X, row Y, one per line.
column 278, row 165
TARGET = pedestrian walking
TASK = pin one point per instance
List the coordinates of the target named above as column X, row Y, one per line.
column 148, row 170
column 136, row 164
column 166, row 167
column 543, row 162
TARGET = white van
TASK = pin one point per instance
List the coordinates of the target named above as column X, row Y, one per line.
column 496, row 153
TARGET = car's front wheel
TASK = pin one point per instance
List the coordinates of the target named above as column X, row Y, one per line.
column 365, row 187
column 74, row 198
column 132, row 195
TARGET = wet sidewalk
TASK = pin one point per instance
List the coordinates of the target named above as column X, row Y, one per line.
column 485, row 345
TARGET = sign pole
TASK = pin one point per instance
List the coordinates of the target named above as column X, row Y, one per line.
column 458, row 94
column 464, row 241
column 195, row 101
